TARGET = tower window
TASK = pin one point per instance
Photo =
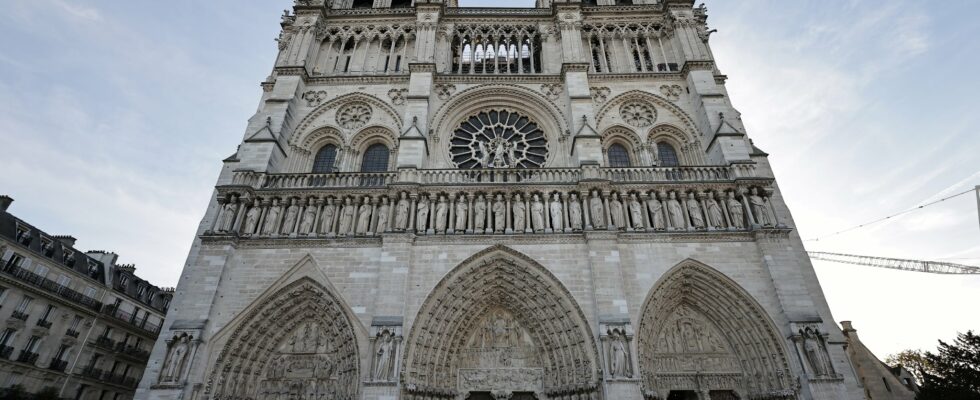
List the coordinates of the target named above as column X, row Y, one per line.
column 618, row 156
column 325, row 159
column 363, row 4
column 375, row 158
column 667, row 155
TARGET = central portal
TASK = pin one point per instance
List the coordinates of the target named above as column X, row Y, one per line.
column 500, row 357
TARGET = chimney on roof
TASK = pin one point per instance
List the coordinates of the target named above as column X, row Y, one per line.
column 129, row 268
column 5, row 202
column 67, row 240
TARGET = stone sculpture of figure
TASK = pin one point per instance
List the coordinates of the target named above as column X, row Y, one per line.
column 595, row 207
column 498, row 154
column 382, row 365
column 499, row 214
column 676, row 212
column 272, row 218
column 329, row 211
column 814, row 353
column 383, row 211
column 401, row 213
column 759, row 208
column 537, row 214
column 557, row 223
column 518, row 209
column 309, row 217
column 175, row 363
column 616, row 212
column 462, row 208
column 636, row 212
column 656, row 212
column 511, row 155
column 715, row 217
column 291, row 213
column 484, row 157
column 480, row 214
column 619, row 357
column 574, row 212
column 228, row 216
column 442, row 210
column 693, row 208
column 735, row 212
column 252, row 217
column 347, row 217
column 364, row 217
column 422, row 214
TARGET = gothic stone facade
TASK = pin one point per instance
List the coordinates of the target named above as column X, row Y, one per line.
column 559, row 202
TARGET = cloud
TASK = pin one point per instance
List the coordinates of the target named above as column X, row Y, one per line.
column 79, row 11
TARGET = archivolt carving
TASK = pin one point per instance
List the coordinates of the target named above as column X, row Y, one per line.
column 379, row 106
column 366, row 135
column 643, row 97
column 497, row 314
column 296, row 343
column 696, row 324
column 320, row 137
column 617, row 133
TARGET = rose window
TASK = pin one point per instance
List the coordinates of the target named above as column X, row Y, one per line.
column 498, row 139
column 638, row 114
column 354, row 115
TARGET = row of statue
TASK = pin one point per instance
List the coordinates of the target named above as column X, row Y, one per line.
column 496, row 213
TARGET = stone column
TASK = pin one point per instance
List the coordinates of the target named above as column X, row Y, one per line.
column 645, row 204
column 605, row 206
column 565, row 211
column 411, row 213
column 751, row 222
column 507, row 220
column 451, row 224
column 217, row 216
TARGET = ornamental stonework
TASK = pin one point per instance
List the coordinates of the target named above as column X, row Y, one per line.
column 354, row 115
column 638, row 114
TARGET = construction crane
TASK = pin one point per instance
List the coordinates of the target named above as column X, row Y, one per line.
column 932, row 267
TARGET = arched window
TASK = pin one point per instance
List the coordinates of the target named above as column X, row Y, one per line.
column 325, row 159
column 375, row 158
column 618, row 156
column 667, row 155
column 362, row 4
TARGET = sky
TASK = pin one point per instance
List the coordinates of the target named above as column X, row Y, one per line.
column 114, row 117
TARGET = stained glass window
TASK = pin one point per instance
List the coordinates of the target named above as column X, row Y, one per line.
column 667, row 155
column 618, row 156
column 375, row 158
column 325, row 159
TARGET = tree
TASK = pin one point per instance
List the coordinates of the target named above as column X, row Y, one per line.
column 912, row 360
column 955, row 370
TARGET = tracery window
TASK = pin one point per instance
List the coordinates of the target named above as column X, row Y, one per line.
column 494, row 50
column 375, row 158
column 618, row 156
column 498, row 139
column 325, row 159
column 667, row 155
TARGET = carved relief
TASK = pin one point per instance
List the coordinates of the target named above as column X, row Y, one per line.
column 354, row 115
column 445, row 91
column 812, row 344
column 387, row 340
column 179, row 348
column 638, row 114
column 671, row 92
column 397, row 96
column 552, row 90
column 314, row 97
column 599, row 94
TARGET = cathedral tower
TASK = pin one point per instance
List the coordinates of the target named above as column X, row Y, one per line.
column 445, row 203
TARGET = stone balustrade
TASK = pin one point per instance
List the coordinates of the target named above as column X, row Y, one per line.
column 460, row 202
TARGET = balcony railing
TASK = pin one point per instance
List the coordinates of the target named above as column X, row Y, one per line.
column 105, row 343
column 50, row 286
column 43, row 323
column 261, row 180
column 92, row 372
column 120, row 315
column 27, row 357
column 72, row 333
column 5, row 352
column 58, row 365
column 132, row 351
column 19, row 315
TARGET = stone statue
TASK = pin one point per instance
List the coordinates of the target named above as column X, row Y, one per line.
column 518, row 209
column 347, row 217
column 619, row 355
column 499, row 214
column 252, row 217
column 309, row 217
column 636, row 212
column 401, row 212
column 511, row 155
column 815, row 353
column 382, row 364
column 656, row 212
column 228, row 216
column 557, row 223
column 676, row 212
column 329, row 211
column 574, row 213
column 537, row 214
column 715, row 216
column 484, row 157
column 442, row 210
column 735, row 212
column 292, row 212
column 461, row 209
column 272, row 218
column 364, row 217
column 383, row 210
column 693, row 208
column 759, row 208
column 422, row 214
column 175, row 362
column 595, row 207
column 616, row 211
column 480, row 214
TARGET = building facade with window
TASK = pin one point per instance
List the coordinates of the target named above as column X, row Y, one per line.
column 435, row 202
column 74, row 321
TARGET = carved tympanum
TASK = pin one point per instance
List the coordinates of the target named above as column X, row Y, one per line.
column 638, row 114
column 354, row 115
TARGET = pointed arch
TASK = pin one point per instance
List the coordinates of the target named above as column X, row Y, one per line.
column 698, row 327
column 687, row 147
column 379, row 107
column 499, row 281
column 603, row 116
column 298, row 339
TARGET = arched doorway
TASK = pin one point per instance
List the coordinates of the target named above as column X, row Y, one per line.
column 500, row 325
column 296, row 343
column 701, row 334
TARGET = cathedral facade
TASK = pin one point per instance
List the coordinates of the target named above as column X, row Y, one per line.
column 435, row 202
